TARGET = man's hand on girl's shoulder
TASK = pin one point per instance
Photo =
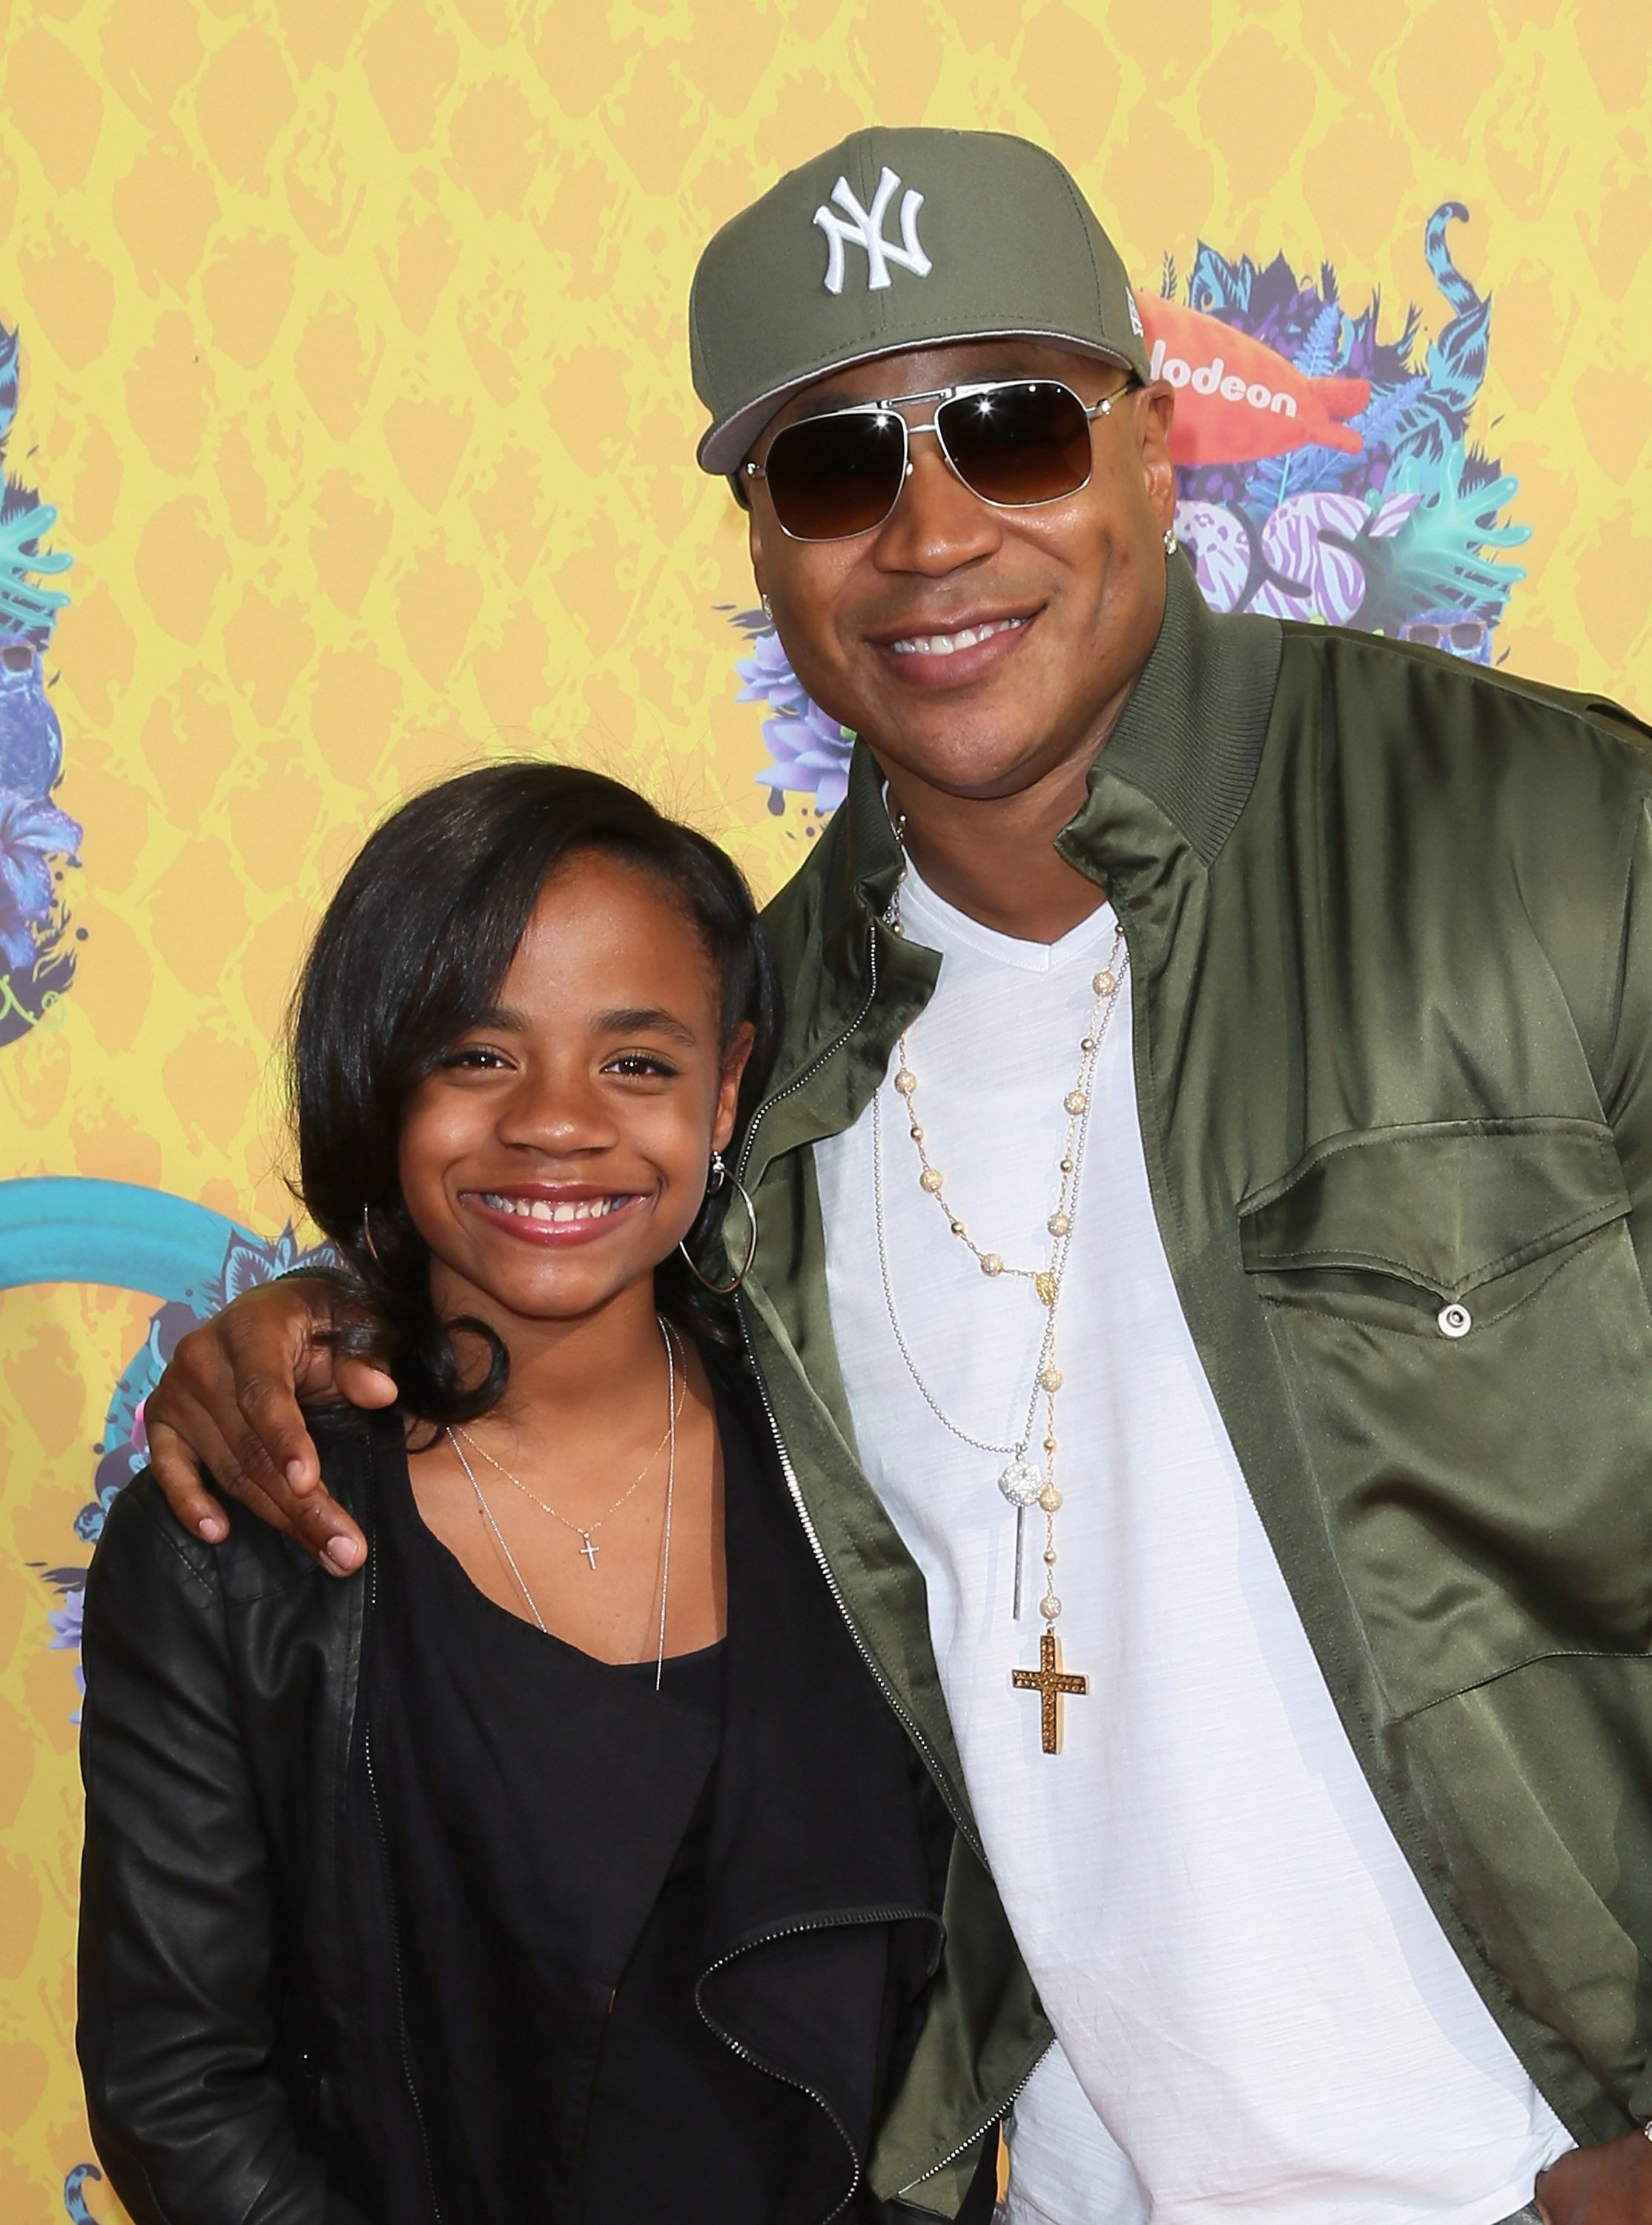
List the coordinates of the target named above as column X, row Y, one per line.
column 227, row 1407
column 1607, row 2185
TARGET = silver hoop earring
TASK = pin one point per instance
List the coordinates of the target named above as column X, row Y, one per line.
column 1169, row 540
column 719, row 1179
column 767, row 612
column 367, row 1233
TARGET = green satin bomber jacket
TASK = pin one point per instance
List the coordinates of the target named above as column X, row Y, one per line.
column 1389, row 919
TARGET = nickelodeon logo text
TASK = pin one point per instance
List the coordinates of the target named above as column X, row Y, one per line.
column 1239, row 399
column 1214, row 378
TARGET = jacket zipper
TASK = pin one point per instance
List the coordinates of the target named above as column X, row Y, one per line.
column 889, row 1915
column 936, row 1778
column 407, row 2079
column 817, row 1062
column 936, row 1773
column 964, row 2146
column 403, row 2050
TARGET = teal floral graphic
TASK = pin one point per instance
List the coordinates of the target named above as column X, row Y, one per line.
column 66, row 1229
column 1403, row 537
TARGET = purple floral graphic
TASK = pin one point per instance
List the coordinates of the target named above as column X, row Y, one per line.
column 31, row 832
column 810, row 750
column 36, row 956
column 66, row 1622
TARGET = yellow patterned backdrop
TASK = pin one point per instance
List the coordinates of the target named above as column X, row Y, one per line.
column 353, row 361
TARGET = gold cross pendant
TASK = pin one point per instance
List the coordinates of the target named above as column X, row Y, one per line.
column 1050, row 1682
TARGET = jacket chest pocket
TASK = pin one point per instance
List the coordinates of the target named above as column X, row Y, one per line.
column 1466, row 1346
column 1439, row 1228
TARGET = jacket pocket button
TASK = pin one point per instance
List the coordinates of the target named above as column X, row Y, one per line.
column 1454, row 1320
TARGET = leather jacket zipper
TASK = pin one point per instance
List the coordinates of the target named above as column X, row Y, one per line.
column 403, row 2049
column 918, row 1739
column 889, row 1915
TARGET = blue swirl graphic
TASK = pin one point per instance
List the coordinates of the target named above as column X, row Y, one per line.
column 58, row 1228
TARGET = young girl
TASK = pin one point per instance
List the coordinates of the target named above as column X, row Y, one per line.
column 566, row 1864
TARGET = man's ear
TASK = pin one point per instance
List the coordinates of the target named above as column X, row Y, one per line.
column 1155, row 408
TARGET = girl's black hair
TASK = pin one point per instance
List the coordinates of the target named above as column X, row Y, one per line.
column 410, row 954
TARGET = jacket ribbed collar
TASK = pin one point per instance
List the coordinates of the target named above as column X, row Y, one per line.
column 1188, row 741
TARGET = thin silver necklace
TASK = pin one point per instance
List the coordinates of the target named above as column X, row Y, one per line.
column 670, row 1442
column 586, row 1532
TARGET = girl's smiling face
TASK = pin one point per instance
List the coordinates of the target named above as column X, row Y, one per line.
column 557, row 1152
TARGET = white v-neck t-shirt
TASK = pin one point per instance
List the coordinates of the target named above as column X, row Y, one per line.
column 1259, row 2019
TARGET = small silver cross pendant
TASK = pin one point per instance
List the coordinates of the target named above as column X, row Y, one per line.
column 590, row 1549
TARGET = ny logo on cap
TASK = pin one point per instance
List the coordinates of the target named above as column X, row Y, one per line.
column 865, row 230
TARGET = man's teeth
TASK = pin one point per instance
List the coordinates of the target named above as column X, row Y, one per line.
column 543, row 1208
column 949, row 645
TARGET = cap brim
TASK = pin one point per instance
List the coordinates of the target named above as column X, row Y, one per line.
column 725, row 446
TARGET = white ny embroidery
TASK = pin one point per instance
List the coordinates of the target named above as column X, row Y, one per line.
column 866, row 231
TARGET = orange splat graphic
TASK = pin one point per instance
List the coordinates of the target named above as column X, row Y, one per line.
column 1238, row 400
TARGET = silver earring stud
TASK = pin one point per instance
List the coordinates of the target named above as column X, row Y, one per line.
column 1169, row 540
column 767, row 612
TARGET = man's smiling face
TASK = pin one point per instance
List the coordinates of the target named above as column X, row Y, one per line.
column 979, row 650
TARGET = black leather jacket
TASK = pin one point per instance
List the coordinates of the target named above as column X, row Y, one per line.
column 217, row 2004
column 228, row 2005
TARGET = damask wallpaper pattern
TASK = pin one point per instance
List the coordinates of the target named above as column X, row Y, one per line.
column 347, row 342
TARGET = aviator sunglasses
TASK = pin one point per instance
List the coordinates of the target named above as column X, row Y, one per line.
column 1015, row 442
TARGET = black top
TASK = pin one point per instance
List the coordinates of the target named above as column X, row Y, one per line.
column 545, row 1820
column 654, row 1954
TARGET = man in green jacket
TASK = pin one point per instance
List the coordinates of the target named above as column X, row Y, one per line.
column 1201, row 1275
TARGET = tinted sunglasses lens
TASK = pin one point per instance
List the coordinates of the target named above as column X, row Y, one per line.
column 831, row 477
column 1025, row 443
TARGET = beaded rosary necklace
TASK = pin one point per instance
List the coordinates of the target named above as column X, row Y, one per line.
column 1023, row 1483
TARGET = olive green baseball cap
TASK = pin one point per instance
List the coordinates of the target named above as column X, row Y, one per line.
column 898, row 239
